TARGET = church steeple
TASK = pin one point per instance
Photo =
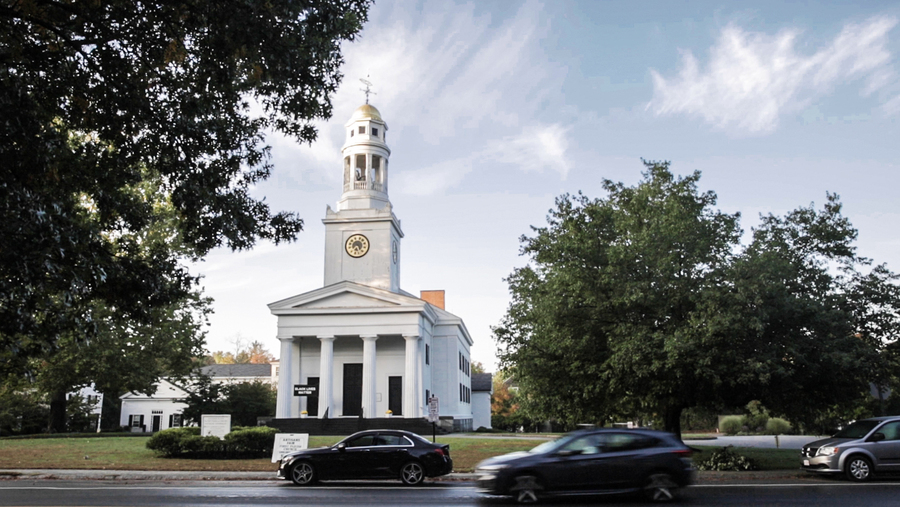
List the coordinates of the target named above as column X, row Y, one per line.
column 362, row 237
column 365, row 159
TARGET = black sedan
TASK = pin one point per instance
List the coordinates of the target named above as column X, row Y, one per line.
column 590, row 462
column 373, row 454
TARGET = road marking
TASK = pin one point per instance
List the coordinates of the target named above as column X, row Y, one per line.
column 796, row 485
column 242, row 488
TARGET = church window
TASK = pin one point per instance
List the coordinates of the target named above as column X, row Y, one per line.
column 427, row 356
column 352, row 132
column 374, row 131
column 362, row 129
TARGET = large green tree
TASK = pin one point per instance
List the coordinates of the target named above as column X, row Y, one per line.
column 96, row 96
column 644, row 303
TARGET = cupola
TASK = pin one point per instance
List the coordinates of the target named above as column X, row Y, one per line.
column 365, row 161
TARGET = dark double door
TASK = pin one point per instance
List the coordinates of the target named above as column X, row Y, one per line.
column 353, row 376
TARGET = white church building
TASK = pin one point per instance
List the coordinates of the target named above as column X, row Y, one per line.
column 362, row 346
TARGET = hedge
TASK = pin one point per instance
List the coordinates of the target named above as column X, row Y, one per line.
column 256, row 442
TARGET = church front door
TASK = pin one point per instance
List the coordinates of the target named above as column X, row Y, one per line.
column 353, row 377
column 395, row 395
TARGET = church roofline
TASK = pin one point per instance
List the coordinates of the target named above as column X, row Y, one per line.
column 404, row 303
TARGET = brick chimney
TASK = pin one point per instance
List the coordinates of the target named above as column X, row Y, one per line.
column 435, row 297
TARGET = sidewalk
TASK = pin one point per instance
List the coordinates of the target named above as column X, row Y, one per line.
column 778, row 476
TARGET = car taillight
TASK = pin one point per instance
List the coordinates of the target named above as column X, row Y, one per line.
column 440, row 452
column 683, row 453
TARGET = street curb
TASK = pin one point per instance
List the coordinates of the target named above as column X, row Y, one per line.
column 147, row 475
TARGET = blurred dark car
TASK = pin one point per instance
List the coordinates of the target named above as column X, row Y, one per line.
column 592, row 462
column 373, row 454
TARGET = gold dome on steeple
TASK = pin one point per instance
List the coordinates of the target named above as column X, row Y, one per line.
column 366, row 112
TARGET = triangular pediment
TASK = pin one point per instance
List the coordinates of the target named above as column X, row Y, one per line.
column 347, row 300
column 346, row 295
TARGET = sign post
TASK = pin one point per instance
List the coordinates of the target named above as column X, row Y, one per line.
column 433, row 415
column 288, row 442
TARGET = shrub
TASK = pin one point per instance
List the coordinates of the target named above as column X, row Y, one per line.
column 731, row 424
column 778, row 426
column 726, row 460
column 170, row 442
column 256, row 440
column 187, row 442
column 756, row 417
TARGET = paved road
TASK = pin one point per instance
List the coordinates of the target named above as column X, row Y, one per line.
column 259, row 493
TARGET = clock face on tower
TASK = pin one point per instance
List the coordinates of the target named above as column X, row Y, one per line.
column 357, row 245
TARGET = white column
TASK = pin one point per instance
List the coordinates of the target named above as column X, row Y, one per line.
column 410, row 387
column 326, row 376
column 420, row 377
column 296, row 375
column 285, row 382
column 369, row 377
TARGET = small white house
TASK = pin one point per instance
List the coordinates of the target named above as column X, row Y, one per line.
column 162, row 410
column 149, row 414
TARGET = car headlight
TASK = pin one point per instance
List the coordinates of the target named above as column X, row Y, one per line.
column 827, row 451
column 492, row 468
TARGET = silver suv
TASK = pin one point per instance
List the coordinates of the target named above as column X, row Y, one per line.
column 859, row 450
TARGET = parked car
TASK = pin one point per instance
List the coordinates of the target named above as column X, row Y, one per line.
column 860, row 450
column 589, row 462
column 373, row 454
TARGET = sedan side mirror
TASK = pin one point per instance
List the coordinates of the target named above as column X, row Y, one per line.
column 878, row 437
column 342, row 447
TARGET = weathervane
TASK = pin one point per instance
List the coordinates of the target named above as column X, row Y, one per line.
column 367, row 89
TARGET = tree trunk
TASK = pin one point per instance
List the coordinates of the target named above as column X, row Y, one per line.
column 58, row 412
column 672, row 420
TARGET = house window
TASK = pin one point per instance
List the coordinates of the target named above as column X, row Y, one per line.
column 136, row 421
column 175, row 421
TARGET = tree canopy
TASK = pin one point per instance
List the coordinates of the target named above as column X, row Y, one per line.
column 644, row 303
column 97, row 99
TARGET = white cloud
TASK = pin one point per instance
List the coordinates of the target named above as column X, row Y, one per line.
column 445, row 75
column 433, row 179
column 753, row 79
column 537, row 148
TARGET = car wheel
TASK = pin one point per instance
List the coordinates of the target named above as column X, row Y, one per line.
column 859, row 469
column 526, row 489
column 303, row 474
column 412, row 473
column 660, row 487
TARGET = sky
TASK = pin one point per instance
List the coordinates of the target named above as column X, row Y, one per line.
column 495, row 109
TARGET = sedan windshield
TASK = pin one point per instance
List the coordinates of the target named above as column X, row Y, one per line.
column 858, row 429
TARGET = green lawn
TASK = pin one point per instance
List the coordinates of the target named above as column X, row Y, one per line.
column 130, row 453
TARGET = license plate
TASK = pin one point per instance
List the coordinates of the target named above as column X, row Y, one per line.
column 806, row 462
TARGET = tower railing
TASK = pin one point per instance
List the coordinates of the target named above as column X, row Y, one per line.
column 364, row 185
